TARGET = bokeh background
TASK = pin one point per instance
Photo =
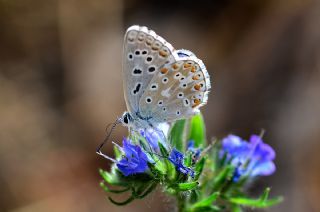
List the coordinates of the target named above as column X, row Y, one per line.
column 60, row 85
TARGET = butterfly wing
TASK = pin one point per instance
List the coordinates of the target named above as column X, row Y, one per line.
column 177, row 90
column 144, row 53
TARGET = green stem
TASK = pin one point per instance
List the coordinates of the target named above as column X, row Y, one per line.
column 181, row 203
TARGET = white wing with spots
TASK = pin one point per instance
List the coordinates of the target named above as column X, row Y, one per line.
column 144, row 53
column 161, row 84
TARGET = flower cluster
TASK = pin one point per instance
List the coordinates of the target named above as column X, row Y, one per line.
column 251, row 159
column 215, row 175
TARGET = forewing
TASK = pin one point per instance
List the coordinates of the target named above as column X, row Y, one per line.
column 144, row 53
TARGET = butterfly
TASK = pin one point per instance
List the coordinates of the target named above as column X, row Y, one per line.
column 161, row 84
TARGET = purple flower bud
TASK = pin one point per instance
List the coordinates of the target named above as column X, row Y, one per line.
column 177, row 158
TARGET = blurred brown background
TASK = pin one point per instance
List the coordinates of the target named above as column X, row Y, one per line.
column 60, row 85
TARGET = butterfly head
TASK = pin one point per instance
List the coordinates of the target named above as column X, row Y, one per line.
column 127, row 119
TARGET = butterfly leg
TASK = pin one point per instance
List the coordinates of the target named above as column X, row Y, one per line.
column 98, row 151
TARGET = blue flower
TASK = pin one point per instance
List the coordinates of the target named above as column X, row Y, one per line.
column 134, row 160
column 153, row 137
column 177, row 159
column 195, row 151
column 253, row 158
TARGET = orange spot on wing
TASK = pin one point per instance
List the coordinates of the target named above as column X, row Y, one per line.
column 163, row 53
column 193, row 69
column 187, row 65
column 196, row 103
column 195, row 77
column 155, row 48
column 197, row 87
column 175, row 66
column 164, row 70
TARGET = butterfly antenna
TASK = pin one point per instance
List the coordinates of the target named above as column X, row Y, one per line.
column 113, row 126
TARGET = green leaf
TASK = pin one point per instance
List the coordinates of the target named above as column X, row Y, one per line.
column 262, row 202
column 187, row 186
column 106, row 189
column 197, row 131
column 151, row 187
column 235, row 208
column 211, row 208
column 177, row 134
column 207, row 201
column 117, row 152
column 127, row 201
column 223, row 177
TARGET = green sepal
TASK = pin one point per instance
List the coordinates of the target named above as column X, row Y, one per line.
column 197, row 131
column 199, row 168
column 163, row 150
column 111, row 178
column 187, row 186
column 171, row 171
column 177, row 134
column 262, row 202
column 188, row 159
column 160, row 167
column 117, row 152
column 207, row 201
column 107, row 189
